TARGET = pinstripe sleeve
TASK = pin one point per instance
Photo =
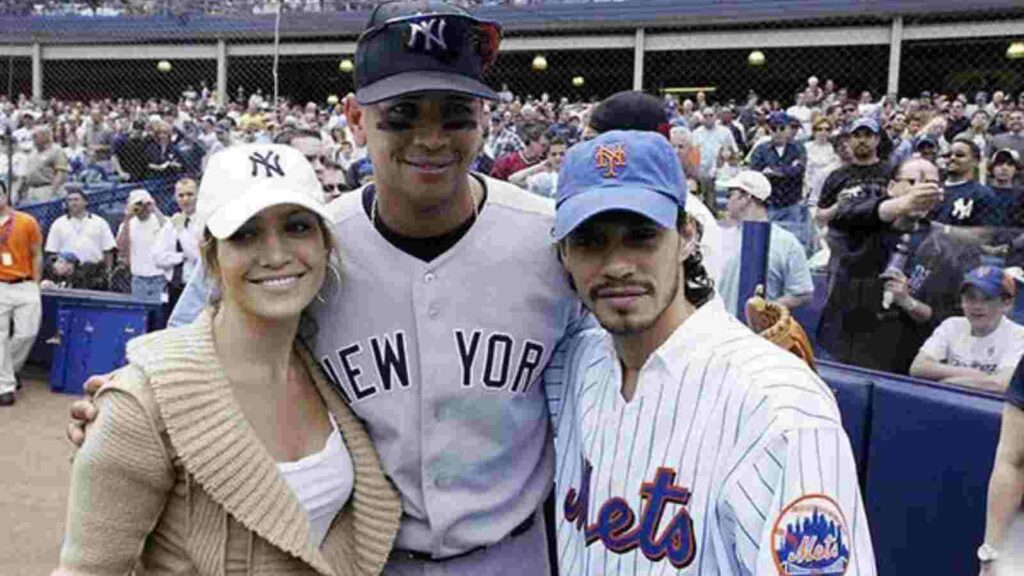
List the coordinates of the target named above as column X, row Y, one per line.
column 796, row 507
column 558, row 374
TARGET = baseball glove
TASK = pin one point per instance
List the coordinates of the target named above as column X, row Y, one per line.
column 773, row 322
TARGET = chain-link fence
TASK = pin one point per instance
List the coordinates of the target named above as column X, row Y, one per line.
column 955, row 77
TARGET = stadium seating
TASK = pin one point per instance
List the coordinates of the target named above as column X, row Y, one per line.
column 924, row 454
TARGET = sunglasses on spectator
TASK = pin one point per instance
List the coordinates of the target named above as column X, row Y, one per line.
column 330, row 188
column 915, row 181
column 823, row 129
column 777, row 128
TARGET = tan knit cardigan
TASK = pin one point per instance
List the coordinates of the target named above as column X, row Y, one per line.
column 173, row 480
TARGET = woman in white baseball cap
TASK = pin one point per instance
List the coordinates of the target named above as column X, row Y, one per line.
column 221, row 448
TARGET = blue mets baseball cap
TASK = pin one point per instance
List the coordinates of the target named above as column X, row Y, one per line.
column 626, row 170
column 992, row 281
column 412, row 46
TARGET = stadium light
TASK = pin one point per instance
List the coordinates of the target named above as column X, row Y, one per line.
column 163, row 66
column 540, row 63
column 346, row 66
column 578, row 81
column 756, row 58
column 1015, row 51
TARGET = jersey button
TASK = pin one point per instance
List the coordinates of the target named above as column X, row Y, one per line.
column 429, row 277
column 434, row 311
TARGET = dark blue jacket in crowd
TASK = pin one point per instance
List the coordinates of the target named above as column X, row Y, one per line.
column 788, row 180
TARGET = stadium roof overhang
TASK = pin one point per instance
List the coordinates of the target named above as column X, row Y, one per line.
column 534, row 19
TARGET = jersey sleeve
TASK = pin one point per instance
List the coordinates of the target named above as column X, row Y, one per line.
column 795, row 508
column 563, row 367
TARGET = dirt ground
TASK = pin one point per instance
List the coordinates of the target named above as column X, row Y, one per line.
column 35, row 471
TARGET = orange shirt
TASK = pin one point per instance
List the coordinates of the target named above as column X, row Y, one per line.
column 24, row 235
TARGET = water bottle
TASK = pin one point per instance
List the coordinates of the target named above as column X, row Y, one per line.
column 897, row 262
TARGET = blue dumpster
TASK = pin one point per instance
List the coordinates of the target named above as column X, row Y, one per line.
column 91, row 339
column 42, row 353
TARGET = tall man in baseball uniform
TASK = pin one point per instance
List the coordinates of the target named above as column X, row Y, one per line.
column 451, row 302
column 685, row 444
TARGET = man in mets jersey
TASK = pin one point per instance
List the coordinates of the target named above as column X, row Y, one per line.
column 685, row 444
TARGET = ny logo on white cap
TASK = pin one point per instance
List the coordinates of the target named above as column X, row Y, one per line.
column 271, row 163
column 425, row 30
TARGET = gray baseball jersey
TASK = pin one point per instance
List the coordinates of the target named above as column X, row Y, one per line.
column 730, row 459
column 443, row 361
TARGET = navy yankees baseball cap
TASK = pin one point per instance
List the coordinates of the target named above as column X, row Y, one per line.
column 412, row 46
column 627, row 170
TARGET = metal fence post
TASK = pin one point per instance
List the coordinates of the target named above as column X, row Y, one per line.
column 895, row 53
column 37, row 71
column 222, row 72
column 638, row 61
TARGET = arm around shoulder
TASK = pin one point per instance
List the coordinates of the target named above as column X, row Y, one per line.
column 120, row 481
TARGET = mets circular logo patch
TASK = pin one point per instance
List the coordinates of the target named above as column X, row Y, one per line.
column 810, row 537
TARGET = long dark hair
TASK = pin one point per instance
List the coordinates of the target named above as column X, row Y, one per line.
column 698, row 287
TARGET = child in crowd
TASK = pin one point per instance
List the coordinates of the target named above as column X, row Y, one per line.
column 981, row 348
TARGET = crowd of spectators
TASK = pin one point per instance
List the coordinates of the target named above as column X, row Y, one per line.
column 210, row 7
column 892, row 201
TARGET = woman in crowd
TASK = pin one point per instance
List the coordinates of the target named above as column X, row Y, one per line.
column 820, row 155
column 221, row 449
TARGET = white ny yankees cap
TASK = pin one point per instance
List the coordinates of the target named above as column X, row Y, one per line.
column 242, row 180
column 412, row 46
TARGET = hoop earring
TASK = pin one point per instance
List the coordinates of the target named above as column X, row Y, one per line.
column 334, row 270
column 337, row 278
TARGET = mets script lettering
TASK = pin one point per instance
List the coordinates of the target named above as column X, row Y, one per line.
column 616, row 525
column 431, row 31
column 271, row 163
column 610, row 158
column 812, row 550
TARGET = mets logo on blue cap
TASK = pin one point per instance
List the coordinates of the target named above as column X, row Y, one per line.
column 810, row 537
column 609, row 158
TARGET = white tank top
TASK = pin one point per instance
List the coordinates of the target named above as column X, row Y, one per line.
column 322, row 482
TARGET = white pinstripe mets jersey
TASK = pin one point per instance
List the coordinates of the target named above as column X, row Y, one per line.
column 730, row 459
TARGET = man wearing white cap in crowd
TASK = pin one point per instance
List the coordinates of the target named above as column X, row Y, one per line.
column 788, row 279
column 136, row 242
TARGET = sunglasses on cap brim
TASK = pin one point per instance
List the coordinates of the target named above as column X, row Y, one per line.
column 485, row 41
